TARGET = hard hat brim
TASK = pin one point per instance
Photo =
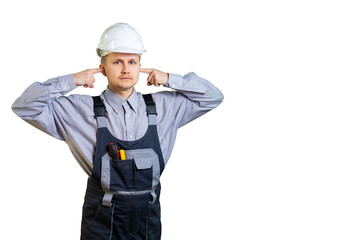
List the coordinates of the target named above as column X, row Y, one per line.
column 120, row 50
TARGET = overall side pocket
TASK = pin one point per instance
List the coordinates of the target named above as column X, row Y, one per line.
column 146, row 167
column 143, row 173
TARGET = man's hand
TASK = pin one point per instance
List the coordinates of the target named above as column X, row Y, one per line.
column 155, row 77
column 86, row 78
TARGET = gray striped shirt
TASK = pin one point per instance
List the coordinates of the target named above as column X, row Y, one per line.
column 71, row 118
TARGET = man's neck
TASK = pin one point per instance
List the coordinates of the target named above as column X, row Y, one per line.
column 124, row 93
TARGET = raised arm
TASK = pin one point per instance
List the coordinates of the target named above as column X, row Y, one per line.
column 194, row 96
column 43, row 105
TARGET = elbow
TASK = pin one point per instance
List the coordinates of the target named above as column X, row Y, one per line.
column 218, row 99
column 213, row 102
column 16, row 108
column 20, row 109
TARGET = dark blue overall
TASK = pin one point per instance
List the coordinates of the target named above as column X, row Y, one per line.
column 122, row 196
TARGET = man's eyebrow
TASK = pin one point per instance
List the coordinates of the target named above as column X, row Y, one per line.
column 121, row 60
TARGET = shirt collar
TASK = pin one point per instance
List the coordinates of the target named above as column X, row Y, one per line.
column 115, row 101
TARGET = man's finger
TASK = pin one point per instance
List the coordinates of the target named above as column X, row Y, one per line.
column 151, row 77
column 96, row 70
column 146, row 70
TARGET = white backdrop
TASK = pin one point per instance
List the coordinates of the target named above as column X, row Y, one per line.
column 278, row 159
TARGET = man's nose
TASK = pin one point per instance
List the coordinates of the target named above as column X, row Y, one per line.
column 125, row 68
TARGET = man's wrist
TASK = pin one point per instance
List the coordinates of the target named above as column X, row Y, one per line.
column 67, row 82
column 175, row 81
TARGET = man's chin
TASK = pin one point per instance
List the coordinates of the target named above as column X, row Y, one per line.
column 121, row 87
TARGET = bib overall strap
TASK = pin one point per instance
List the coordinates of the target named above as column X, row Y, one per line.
column 150, row 108
column 100, row 112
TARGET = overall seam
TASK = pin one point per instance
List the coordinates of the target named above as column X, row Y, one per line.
column 112, row 221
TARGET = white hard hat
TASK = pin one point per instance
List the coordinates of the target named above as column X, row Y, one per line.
column 122, row 38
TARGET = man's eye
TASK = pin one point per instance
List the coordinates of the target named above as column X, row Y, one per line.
column 117, row 62
column 132, row 62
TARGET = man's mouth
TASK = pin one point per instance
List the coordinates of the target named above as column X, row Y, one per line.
column 125, row 78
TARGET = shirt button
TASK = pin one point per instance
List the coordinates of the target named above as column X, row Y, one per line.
column 173, row 85
column 69, row 87
column 128, row 115
column 116, row 111
column 131, row 136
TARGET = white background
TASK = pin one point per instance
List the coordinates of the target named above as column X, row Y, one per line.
column 279, row 158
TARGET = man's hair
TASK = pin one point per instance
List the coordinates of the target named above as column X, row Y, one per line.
column 103, row 60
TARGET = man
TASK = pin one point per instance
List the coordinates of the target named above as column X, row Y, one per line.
column 121, row 138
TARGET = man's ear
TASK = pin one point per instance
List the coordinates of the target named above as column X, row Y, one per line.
column 103, row 67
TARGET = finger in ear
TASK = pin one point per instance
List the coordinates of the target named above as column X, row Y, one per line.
column 103, row 67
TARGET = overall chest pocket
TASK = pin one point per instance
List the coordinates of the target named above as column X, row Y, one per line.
column 137, row 172
column 130, row 174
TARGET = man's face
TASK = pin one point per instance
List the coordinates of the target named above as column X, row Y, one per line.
column 122, row 71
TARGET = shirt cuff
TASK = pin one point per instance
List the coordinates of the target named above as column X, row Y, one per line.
column 175, row 81
column 190, row 82
column 67, row 83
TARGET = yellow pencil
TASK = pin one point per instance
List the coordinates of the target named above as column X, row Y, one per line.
column 122, row 154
